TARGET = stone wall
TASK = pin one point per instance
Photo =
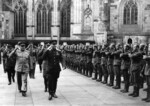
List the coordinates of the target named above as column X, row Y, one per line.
column 130, row 31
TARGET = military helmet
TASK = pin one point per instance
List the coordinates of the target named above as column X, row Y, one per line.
column 127, row 47
column 118, row 46
column 142, row 46
column 112, row 46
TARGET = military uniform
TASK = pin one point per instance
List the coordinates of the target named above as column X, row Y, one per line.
column 54, row 57
column 147, row 74
column 89, row 64
column 135, row 70
column 125, row 64
column 110, row 58
column 104, row 66
column 116, row 68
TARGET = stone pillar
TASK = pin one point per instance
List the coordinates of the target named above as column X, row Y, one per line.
column 29, row 24
column 76, row 14
column 55, row 20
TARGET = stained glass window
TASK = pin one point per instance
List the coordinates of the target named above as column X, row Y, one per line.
column 20, row 20
column 44, row 18
column 65, row 20
column 130, row 12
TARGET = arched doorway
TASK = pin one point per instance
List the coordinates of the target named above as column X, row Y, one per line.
column 130, row 41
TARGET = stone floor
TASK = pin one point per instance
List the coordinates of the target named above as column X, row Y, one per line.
column 73, row 90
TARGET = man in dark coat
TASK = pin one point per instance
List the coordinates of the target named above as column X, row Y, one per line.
column 54, row 57
column 10, row 64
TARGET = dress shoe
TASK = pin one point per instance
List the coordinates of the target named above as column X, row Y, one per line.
column 9, row 83
column 124, row 91
column 104, row 82
column 144, row 99
column 50, row 97
column 131, row 94
column 13, row 80
column 98, row 80
column 55, row 96
column 110, row 85
column 45, row 90
column 135, row 95
column 24, row 94
column 93, row 78
column 148, row 100
column 116, row 87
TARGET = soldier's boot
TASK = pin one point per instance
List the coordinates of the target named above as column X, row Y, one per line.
column 80, row 69
column 118, row 82
column 105, row 79
column 131, row 94
column 148, row 94
column 136, row 94
column 141, row 82
column 111, row 82
column 147, row 99
column 90, row 74
column 86, row 72
column 95, row 75
column 126, row 86
column 100, row 77
column 83, row 71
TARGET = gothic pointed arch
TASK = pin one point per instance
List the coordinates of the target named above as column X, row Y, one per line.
column 20, row 19
column 43, row 27
column 65, row 19
column 130, row 12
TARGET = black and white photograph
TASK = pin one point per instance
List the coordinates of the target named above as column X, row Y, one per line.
column 74, row 52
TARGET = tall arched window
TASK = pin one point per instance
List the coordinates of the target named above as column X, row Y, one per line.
column 39, row 21
column 20, row 20
column 49, row 21
column 130, row 12
column 65, row 20
column 44, row 18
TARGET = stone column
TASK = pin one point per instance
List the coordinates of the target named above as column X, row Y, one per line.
column 76, row 15
column 29, row 29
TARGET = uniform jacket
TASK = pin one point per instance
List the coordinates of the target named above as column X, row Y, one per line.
column 136, row 65
column 117, row 59
column 147, row 67
column 10, row 61
column 22, row 61
column 54, row 58
column 125, row 63
column 103, row 58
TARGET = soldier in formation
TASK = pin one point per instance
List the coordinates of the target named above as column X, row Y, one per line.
column 109, row 64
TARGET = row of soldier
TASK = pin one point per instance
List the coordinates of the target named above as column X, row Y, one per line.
column 109, row 63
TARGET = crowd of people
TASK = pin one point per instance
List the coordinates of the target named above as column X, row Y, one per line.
column 105, row 63
column 108, row 63
column 22, row 60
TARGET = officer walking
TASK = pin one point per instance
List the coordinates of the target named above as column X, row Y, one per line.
column 54, row 57
column 22, row 66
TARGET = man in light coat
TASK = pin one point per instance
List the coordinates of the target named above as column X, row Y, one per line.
column 22, row 66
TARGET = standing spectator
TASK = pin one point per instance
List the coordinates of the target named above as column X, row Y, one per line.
column 147, row 74
column 22, row 66
column 45, row 67
column 4, row 59
column 9, row 64
column 39, row 56
column 32, row 50
column 54, row 57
